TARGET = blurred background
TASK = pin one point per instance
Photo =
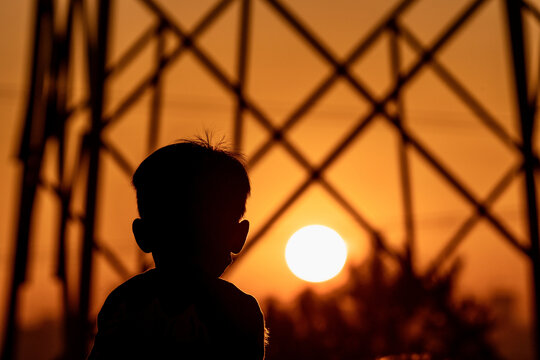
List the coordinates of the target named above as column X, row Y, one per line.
column 405, row 126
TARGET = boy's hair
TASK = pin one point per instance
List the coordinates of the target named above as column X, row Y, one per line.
column 192, row 179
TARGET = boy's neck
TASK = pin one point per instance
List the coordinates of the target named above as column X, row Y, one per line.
column 185, row 274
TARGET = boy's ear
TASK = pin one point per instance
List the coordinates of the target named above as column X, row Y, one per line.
column 240, row 236
column 140, row 231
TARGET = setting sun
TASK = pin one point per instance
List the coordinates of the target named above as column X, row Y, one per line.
column 315, row 253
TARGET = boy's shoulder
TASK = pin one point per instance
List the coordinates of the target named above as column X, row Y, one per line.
column 131, row 294
column 237, row 313
column 230, row 291
column 233, row 299
column 139, row 287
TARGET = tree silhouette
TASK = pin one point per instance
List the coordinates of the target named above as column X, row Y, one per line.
column 380, row 312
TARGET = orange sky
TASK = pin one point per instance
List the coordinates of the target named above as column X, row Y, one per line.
column 282, row 71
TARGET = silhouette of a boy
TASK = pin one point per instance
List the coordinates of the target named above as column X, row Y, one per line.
column 191, row 198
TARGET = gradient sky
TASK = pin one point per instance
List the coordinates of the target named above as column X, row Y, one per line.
column 282, row 72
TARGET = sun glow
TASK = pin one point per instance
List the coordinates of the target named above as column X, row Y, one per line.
column 316, row 253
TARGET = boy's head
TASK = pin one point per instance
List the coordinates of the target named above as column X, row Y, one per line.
column 191, row 198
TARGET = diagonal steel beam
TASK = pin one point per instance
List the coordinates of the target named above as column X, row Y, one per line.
column 166, row 61
column 458, row 237
column 377, row 238
column 98, row 245
column 120, row 160
column 461, row 91
column 295, row 195
column 320, row 90
column 527, row 5
column 458, row 186
column 133, row 50
column 341, row 69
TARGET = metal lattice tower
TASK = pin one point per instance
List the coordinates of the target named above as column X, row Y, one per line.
column 48, row 116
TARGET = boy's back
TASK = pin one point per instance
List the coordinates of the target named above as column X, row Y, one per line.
column 191, row 199
column 144, row 318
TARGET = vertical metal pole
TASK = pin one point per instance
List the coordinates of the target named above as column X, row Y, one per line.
column 403, row 158
column 153, row 132
column 64, row 190
column 241, row 71
column 517, row 43
column 31, row 154
column 98, row 52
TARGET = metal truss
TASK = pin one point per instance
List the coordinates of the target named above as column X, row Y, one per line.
column 48, row 115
